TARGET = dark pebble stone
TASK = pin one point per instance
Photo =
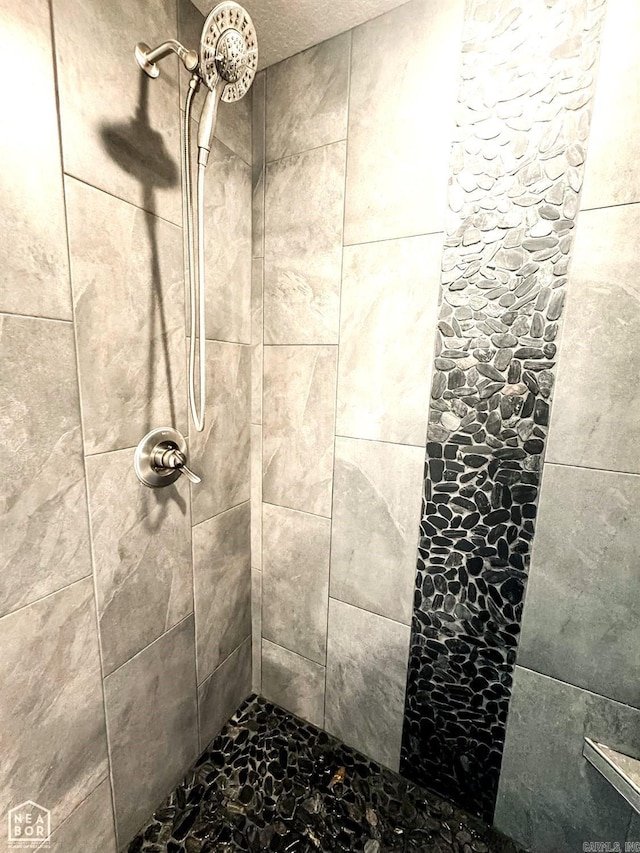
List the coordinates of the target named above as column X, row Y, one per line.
column 497, row 516
column 504, row 340
column 534, row 446
column 528, row 352
column 490, row 372
column 475, row 461
column 541, row 412
column 434, row 449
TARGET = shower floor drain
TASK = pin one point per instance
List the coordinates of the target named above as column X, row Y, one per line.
column 270, row 781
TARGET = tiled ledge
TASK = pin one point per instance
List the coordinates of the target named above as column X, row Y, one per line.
column 621, row 771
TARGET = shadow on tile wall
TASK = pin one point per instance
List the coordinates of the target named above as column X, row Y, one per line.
column 99, row 627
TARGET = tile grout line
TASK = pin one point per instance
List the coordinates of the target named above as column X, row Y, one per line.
column 83, row 441
column 186, row 402
column 337, row 375
column 18, row 315
column 218, row 514
column 293, row 509
column 298, row 654
column 372, row 612
column 263, row 130
column 123, row 200
column 304, row 151
column 577, row 467
column 107, row 739
column 575, row 686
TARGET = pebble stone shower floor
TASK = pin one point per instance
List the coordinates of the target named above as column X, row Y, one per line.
column 270, row 781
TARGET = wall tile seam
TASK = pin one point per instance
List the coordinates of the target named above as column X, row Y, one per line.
column 177, row 625
column 293, row 652
column 146, row 210
column 608, row 206
column 81, row 420
column 76, row 808
column 579, row 687
column 332, row 345
column 306, row 151
column 371, row 612
column 295, row 509
column 223, row 340
column 572, row 465
column 219, row 666
column 387, row 440
column 19, row 316
column 395, row 238
column 218, row 514
column 44, row 597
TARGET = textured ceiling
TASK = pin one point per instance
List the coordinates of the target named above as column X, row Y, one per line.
column 286, row 27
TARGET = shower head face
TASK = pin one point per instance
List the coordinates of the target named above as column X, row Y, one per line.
column 229, row 51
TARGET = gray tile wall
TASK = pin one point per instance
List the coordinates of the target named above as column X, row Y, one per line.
column 349, row 253
column 102, row 701
column 579, row 654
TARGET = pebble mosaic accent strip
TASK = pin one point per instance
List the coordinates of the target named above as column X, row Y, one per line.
column 517, row 168
column 270, row 781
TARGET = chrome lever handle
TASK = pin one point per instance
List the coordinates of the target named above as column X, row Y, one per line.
column 171, row 457
column 189, row 474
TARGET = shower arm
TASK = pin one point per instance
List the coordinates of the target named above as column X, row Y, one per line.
column 147, row 58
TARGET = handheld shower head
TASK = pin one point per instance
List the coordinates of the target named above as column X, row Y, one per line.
column 228, row 50
column 228, row 63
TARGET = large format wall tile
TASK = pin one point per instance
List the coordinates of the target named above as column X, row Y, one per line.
column 223, row 692
column 120, row 129
column 293, row 682
column 152, row 723
column 298, row 425
column 366, row 674
column 45, row 538
column 33, row 250
column 303, row 241
column 141, row 556
column 580, row 620
column 612, row 176
column 227, row 229
column 222, row 586
column 221, row 454
column 376, row 514
column 296, row 580
column 127, row 276
column 53, row 746
column 89, row 828
column 596, row 416
column 401, row 120
column 307, row 98
column 387, row 322
column 550, row 800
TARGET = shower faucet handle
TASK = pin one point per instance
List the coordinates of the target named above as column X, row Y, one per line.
column 161, row 457
column 171, row 457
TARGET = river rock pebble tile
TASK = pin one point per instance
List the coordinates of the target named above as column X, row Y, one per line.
column 516, row 172
column 270, row 781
